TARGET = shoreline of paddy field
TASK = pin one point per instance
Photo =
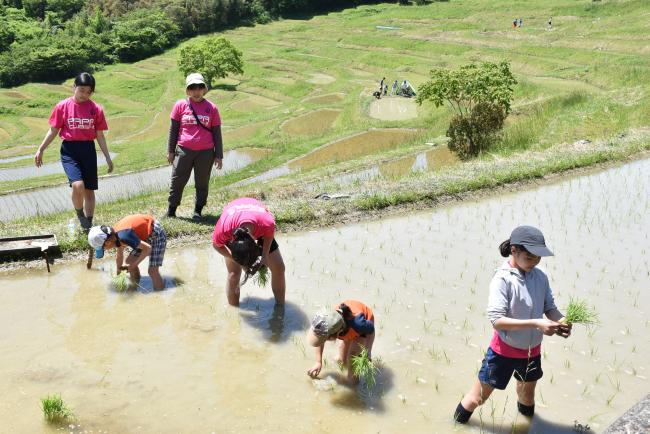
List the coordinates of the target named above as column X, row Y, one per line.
column 295, row 211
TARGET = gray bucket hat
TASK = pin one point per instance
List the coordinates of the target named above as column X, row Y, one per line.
column 532, row 239
column 324, row 325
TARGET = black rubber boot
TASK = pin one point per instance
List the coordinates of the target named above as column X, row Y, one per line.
column 171, row 212
column 197, row 213
column 461, row 415
column 526, row 410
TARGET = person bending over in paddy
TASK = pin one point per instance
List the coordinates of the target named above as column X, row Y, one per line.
column 79, row 121
column 245, row 236
column 520, row 295
column 194, row 143
column 353, row 323
column 143, row 234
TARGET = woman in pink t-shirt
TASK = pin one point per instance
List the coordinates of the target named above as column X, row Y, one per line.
column 244, row 234
column 194, row 144
column 79, row 121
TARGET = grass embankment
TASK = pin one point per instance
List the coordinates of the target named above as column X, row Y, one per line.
column 584, row 79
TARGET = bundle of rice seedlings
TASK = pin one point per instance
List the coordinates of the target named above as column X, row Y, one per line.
column 579, row 312
column 55, row 410
column 120, row 282
column 364, row 369
column 261, row 278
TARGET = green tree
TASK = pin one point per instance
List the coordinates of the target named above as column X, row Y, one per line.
column 7, row 36
column 479, row 95
column 214, row 57
column 143, row 33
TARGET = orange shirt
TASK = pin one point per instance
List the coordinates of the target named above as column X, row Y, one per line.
column 142, row 225
column 357, row 308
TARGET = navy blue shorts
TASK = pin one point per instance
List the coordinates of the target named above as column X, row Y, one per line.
column 497, row 370
column 79, row 160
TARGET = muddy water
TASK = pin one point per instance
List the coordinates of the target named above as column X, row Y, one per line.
column 53, row 199
column 316, row 122
column 32, row 171
column 181, row 361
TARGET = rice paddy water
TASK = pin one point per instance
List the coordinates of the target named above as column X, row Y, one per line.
column 180, row 360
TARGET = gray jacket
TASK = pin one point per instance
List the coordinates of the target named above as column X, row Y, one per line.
column 519, row 295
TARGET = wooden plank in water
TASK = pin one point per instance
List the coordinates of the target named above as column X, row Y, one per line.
column 29, row 247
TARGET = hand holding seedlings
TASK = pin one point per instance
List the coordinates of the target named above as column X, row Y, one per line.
column 143, row 234
column 579, row 312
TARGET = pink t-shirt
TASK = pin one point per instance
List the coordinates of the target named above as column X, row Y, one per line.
column 503, row 349
column 241, row 211
column 78, row 121
column 191, row 135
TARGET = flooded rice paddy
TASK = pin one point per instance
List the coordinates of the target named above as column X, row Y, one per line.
column 330, row 98
column 316, row 122
column 180, row 360
column 439, row 156
column 52, row 199
column 352, row 147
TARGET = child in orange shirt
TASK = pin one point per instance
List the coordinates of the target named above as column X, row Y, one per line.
column 353, row 323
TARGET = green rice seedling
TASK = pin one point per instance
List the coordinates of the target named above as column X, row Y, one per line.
column 55, row 410
column 579, row 312
column 261, row 278
column 363, row 368
column 120, row 282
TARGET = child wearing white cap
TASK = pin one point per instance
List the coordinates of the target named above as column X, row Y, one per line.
column 143, row 234
column 520, row 297
column 353, row 323
column 194, row 144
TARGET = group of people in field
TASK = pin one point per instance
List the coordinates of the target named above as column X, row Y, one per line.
column 404, row 89
column 521, row 307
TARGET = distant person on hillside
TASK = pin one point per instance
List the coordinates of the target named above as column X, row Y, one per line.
column 385, row 89
column 79, row 121
column 394, row 90
column 521, row 22
column 550, row 23
column 514, row 23
column 143, row 234
column 194, row 143
column 245, row 236
column 381, row 84
column 353, row 323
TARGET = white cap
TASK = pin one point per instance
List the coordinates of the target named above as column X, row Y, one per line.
column 194, row 78
column 96, row 237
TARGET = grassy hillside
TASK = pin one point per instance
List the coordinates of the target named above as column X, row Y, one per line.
column 586, row 78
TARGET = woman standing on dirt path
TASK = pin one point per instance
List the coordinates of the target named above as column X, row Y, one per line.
column 245, row 236
column 194, row 143
column 520, row 296
column 79, row 121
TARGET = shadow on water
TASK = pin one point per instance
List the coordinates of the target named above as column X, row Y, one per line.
column 522, row 425
column 276, row 322
column 358, row 397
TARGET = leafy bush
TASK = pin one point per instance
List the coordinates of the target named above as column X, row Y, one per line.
column 469, row 136
column 143, row 33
